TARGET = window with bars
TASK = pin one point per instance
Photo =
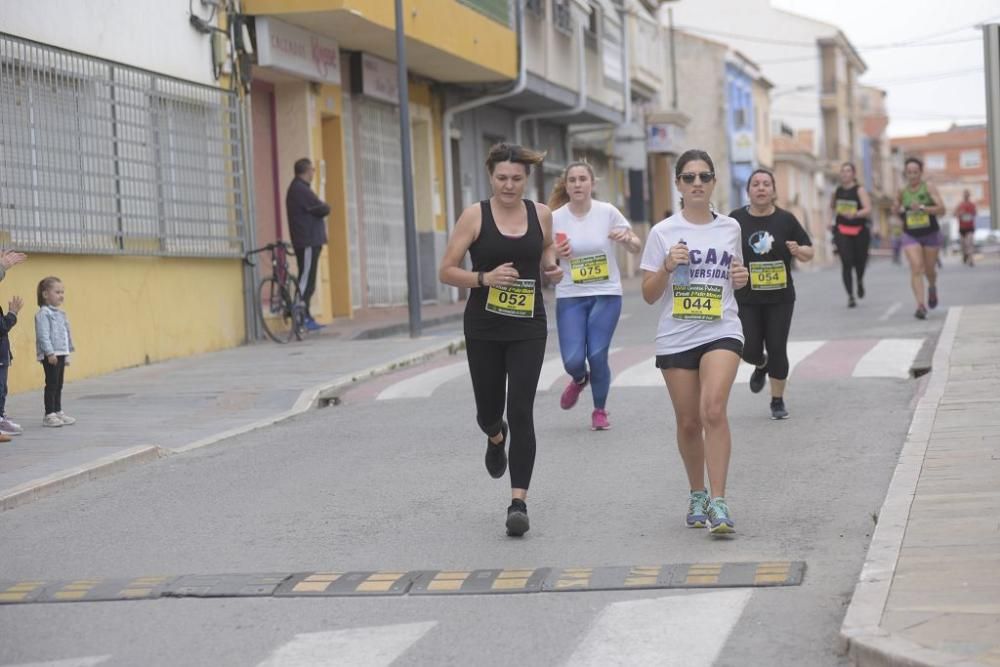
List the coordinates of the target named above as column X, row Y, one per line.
column 562, row 17
column 98, row 157
column 535, row 7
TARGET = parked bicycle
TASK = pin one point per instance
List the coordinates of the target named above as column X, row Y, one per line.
column 279, row 302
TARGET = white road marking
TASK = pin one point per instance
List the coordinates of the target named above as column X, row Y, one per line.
column 553, row 369
column 797, row 351
column 890, row 311
column 891, row 357
column 424, row 384
column 89, row 661
column 376, row 646
column 643, row 374
column 682, row 630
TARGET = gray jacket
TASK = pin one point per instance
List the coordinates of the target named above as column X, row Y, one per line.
column 52, row 335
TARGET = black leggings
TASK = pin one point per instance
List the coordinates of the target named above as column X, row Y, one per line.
column 54, row 374
column 767, row 323
column 853, row 251
column 495, row 366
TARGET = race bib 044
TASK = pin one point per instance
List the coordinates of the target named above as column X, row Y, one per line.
column 518, row 300
column 768, row 275
column 697, row 302
column 589, row 269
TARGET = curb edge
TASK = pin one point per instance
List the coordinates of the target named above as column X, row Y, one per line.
column 861, row 637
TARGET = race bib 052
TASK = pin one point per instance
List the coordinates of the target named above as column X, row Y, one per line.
column 518, row 300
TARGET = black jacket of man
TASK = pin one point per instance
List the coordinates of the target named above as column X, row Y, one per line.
column 305, row 215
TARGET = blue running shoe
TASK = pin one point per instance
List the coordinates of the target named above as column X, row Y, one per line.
column 720, row 523
column 697, row 516
column 313, row 325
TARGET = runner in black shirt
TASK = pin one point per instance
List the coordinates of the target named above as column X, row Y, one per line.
column 771, row 238
column 852, row 206
column 508, row 238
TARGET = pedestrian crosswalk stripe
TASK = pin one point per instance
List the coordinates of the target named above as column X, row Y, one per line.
column 634, row 366
column 891, row 357
column 680, row 630
column 377, row 646
column 424, row 384
column 797, row 351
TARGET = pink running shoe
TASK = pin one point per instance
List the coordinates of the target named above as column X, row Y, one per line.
column 599, row 420
column 572, row 393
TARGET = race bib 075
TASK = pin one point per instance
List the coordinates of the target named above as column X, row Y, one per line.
column 589, row 269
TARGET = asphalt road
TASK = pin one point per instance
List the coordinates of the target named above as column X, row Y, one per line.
column 398, row 483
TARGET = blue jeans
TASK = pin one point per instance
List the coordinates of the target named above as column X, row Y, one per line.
column 586, row 325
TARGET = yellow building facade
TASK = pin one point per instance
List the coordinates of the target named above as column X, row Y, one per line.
column 343, row 115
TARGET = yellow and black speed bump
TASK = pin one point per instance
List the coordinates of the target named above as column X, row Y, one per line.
column 479, row 582
column 225, row 585
column 84, row 590
column 415, row 582
column 338, row 584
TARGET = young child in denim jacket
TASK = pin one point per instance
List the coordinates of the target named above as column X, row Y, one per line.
column 53, row 343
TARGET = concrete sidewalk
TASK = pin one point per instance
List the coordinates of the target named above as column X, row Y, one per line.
column 929, row 592
column 139, row 414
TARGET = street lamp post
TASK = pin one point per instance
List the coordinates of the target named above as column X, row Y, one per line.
column 409, row 222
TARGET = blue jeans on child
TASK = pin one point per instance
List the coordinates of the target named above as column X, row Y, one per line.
column 586, row 325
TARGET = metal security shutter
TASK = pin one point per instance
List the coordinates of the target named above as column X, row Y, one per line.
column 354, row 244
column 382, row 202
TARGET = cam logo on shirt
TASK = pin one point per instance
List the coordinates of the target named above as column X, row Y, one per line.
column 709, row 263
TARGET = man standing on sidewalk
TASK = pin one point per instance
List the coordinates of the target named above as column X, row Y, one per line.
column 306, row 224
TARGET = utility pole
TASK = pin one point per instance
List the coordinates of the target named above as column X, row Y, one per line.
column 991, row 47
column 412, row 260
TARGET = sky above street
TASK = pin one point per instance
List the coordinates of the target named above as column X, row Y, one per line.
column 926, row 54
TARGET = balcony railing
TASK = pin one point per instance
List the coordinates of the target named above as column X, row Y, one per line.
column 501, row 11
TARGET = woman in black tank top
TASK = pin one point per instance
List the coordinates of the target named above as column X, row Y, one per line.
column 852, row 206
column 509, row 240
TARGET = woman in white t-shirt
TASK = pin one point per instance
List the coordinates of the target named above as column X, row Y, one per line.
column 589, row 296
column 695, row 257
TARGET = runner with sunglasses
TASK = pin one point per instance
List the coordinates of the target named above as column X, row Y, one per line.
column 919, row 205
column 508, row 238
column 771, row 238
column 852, row 206
column 693, row 264
column 589, row 299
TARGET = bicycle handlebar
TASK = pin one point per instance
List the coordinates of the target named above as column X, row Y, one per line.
column 270, row 247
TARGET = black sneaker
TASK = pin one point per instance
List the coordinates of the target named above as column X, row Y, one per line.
column 496, row 455
column 517, row 518
column 861, row 290
column 851, row 303
column 921, row 313
column 778, row 410
column 759, row 376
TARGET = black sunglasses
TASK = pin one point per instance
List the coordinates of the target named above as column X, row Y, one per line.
column 703, row 176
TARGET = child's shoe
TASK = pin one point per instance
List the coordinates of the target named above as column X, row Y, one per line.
column 66, row 419
column 53, row 420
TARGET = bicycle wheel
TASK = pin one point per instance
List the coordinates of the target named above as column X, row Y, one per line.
column 276, row 308
column 297, row 308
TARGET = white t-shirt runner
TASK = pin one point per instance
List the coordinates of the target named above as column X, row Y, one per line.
column 592, row 270
column 706, row 311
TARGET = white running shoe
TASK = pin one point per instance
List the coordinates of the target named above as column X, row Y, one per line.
column 66, row 419
column 52, row 420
